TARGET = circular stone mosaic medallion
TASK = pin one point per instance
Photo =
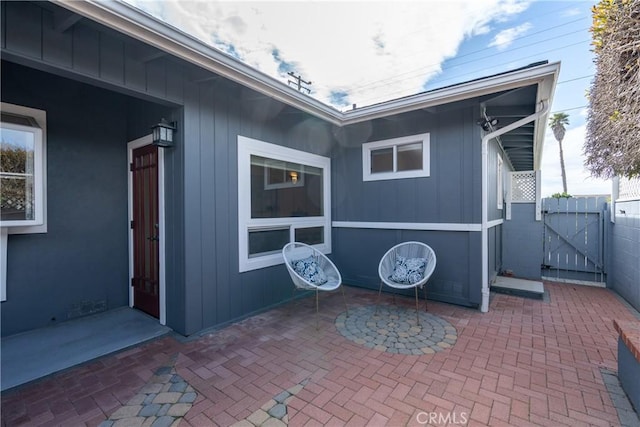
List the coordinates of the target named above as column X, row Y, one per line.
column 395, row 330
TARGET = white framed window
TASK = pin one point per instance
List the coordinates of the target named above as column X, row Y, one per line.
column 22, row 169
column 397, row 158
column 500, row 182
column 284, row 195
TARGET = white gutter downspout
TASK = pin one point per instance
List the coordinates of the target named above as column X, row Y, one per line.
column 485, row 191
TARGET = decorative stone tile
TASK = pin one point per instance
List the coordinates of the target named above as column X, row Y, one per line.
column 179, row 409
column 126, row 412
column 162, row 402
column 274, row 412
column 167, row 397
column 258, row 417
column 395, row 329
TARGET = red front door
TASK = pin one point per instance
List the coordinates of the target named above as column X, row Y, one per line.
column 145, row 226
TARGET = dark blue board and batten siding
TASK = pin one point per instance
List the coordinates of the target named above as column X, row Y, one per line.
column 450, row 195
column 127, row 93
column 80, row 266
column 88, row 52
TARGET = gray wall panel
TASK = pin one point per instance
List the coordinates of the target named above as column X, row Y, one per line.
column 492, row 181
column 448, row 175
column 135, row 72
column 174, row 218
column 24, row 28
column 624, row 262
column 208, row 169
column 523, row 242
column 81, row 263
column 447, row 195
column 175, row 86
column 357, row 253
column 112, row 59
column 3, row 24
column 157, row 78
column 86, row 50
column 57, row 46
column 192, row 214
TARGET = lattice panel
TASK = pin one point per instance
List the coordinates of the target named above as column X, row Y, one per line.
column 629, row 188
column 523, row 186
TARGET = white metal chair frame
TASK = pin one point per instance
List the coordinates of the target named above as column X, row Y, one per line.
column 295, row 251
column 406, row 250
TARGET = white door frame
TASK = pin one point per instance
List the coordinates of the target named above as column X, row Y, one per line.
column 132, row 145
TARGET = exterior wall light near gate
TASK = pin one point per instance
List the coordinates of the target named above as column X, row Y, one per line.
column 487, row 123
column 163, row 133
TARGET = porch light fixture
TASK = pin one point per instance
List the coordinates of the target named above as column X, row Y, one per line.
column 487, row 123
column 294, row 177
column 163, row 133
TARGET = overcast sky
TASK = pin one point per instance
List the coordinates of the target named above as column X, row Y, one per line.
column 367, row 52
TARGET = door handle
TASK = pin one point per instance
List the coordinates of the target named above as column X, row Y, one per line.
column 153, row 238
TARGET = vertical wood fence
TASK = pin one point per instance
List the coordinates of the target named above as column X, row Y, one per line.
column 574, row 239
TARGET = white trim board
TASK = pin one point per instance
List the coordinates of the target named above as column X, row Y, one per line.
column 132, row 145
column 246, row 148
column 424, row 226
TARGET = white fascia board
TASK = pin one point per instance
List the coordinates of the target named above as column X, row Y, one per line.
column 546, row 91
column 139, row 25
column 545, row 75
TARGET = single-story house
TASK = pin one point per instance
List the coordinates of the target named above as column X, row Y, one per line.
column 95, row 216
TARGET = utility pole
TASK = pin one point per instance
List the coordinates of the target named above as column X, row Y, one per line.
column 299, row 82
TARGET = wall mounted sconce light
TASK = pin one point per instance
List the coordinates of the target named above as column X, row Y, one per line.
column 487, row 123
column 294, row 177
column 163, row 133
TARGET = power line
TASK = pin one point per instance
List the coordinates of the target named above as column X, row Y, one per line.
column 569, row 109
column 422, row 69
column 363, row 102
column 573, row 80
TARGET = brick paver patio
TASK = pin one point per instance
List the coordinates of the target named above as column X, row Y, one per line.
column 526, row 362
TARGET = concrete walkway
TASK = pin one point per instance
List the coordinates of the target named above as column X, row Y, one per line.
column 527, row 362
column 36, row 354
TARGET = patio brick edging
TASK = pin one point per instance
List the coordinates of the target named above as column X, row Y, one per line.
column 629, row 359
column 629, row 332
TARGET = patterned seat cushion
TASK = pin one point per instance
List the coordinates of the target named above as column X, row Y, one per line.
column 408, row 271
column 309, row 270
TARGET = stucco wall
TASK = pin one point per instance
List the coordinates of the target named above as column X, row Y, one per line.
column 624, row 259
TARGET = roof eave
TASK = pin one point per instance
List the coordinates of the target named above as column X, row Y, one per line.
column 544, row 75
column 145, row 28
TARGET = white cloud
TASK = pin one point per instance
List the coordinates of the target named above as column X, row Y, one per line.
column 579, row 181
column 504, row 38
column 373, row 51
column 572, row 12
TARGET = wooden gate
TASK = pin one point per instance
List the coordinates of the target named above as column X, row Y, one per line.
column 574, row 237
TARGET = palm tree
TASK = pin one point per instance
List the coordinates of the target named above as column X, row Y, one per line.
column 557, row 123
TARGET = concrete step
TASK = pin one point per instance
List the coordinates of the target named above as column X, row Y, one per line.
column 518, row 287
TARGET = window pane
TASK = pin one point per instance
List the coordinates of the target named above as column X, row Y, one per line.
column 410, row 157
column 284, row 189
column 16, row 174
column 310, row 236
column 382, row 160
column 262, row 242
